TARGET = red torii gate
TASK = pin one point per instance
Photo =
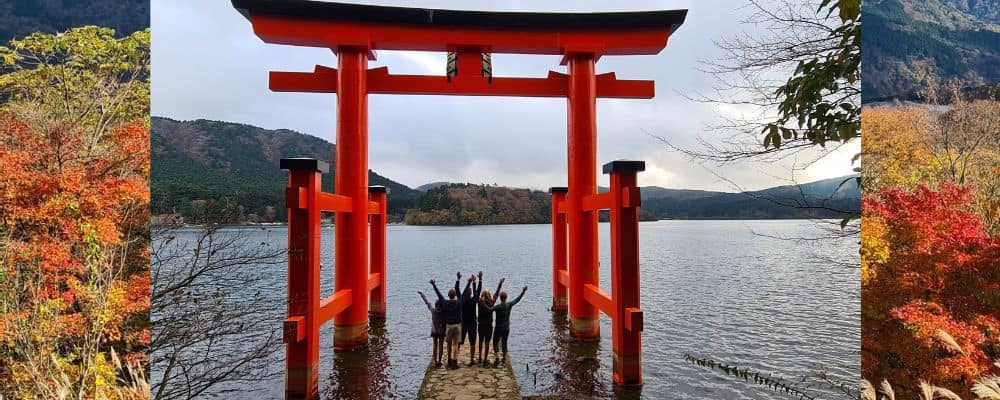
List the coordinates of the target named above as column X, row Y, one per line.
column 354, row 32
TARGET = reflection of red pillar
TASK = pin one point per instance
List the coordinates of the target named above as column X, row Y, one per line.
column 378, row 194
column 582, row 179
column 351, row 229
column 301, row 328
column 626, row 335
column 558, row 250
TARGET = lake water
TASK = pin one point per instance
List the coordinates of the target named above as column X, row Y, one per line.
column 717, row 289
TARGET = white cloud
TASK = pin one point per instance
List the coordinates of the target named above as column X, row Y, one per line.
column 207, row 63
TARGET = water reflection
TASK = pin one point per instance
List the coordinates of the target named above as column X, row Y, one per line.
column 363, row 373
column 578, row 362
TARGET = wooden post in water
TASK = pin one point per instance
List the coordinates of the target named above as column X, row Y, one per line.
column 377, row 226
column 301, row 327
column 350, row 328
column 582, row 182
column 626, row 319
column 560, row 276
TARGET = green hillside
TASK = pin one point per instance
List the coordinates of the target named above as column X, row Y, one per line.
column 908, row 44
column 821, row 199
column 208, row 170
column 228, row 172
column 22, row 17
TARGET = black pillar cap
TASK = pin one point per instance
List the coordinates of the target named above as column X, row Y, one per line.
column 378, row 189
column 310, row 164
column 624, row 165
column 558, row 189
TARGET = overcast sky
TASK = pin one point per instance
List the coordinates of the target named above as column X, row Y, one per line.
column 207, row 63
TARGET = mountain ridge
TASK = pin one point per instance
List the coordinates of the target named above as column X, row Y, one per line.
column 204, row 169
column 910, row 45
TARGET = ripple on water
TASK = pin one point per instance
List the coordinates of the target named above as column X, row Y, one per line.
column 710, row 288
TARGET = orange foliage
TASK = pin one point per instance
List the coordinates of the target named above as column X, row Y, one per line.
column 73, row 228
column 941, row 275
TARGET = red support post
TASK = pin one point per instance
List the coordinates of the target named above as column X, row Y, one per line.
column 582, row 180
column 559, row 303
column 351, row 228
column 626, row 336
column 301, row 328
column 377, row 227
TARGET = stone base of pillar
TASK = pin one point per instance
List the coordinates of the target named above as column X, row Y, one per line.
column 302, row 383
column 585, row 328
column 627, row 369
column 350, row 336
column 376, row 309
column 559, row 304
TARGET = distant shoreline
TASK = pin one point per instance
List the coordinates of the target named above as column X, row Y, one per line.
column 284, row 224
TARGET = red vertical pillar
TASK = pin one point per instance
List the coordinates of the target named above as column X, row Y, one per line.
column 626, row 336
column 350, row 329
column 301, row 328
column 378, row 194
column 558, row 250
column 582, row 179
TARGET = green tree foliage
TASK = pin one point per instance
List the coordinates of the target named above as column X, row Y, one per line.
column 20, row 18
column 85, row 77
column 818, row 102
column 468, row 204
column 909, row 46
column 221, row 172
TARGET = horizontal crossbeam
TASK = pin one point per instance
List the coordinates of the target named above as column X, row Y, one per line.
column 333, row 202
column 600, row 201
column 333, row 305
column 313, row 32
column 600, row 299
column 374, row 280
column 294, row 329
column 380, row 81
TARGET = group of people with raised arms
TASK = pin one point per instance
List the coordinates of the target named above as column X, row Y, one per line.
column 453, row 319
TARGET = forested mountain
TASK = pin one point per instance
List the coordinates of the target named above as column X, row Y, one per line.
column 433, row 185
column 227, row 172
column 208, row 169
column 465, row 204
column 19, row 18
column 909, row 44
column 468, row 204
column 827, row 198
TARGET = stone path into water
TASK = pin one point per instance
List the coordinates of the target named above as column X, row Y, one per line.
column 469, row 383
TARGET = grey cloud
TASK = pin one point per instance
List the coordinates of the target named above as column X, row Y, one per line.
column 208, row 64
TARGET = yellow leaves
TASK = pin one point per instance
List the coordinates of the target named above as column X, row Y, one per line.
column 896, row 147
column 874, row 246
column 104, row 374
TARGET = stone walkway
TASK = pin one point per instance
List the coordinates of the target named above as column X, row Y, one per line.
column 470, row 383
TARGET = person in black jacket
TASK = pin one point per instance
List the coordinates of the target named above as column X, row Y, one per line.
column 451, row 309
column 470, row 299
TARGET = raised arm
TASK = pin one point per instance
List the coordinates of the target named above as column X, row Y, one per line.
column 479, row 285
column 525, row 289
column 499, row 285
column 429, row 308
column 435, row 286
